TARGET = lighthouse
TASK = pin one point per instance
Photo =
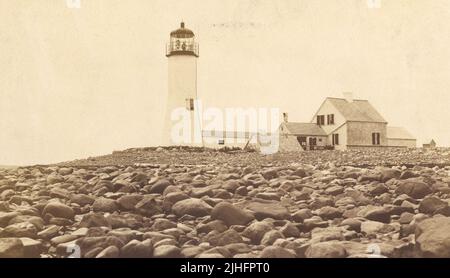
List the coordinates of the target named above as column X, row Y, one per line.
column 181, row 107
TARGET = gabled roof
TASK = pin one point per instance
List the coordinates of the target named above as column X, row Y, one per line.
column 398, row 133
column 428, row 141
column 305, row 129
column 357, row 110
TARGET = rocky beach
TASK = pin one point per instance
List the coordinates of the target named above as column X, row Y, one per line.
column 197, row 203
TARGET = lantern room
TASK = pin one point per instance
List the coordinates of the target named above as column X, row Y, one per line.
column 182, row 42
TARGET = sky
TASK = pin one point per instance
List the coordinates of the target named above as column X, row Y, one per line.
column 79, row 82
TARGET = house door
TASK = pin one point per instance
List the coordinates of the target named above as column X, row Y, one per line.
column 312, row 143
column 302, row 141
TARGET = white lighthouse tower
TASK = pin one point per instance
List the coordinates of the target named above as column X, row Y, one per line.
column 182, row 53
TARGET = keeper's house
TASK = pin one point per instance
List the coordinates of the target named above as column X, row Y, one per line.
column 343, row 124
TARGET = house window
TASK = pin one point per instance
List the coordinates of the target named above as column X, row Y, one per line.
column 190, row 104
column 330, row 119
column 335, row 139
column 320, row 119
column 221, row 142
column 376, row 138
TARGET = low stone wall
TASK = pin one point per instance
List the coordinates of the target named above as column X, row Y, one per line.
column 375, row 147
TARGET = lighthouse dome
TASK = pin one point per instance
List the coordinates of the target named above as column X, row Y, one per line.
column 182, row 32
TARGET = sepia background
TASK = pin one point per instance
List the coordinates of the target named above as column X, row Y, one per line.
column 87, row 81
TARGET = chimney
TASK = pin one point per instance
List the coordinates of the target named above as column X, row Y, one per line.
column 348, row 96
column 285, row 117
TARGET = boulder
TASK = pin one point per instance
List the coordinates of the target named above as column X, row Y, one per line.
column 230, row 214
column 380, row 214
column 301, row 215
column 327, row 234
column 276, row 252
column 65, row 171
column 159, row 186
column 352, row 224
column 431, row 205
column 109, row 252
column 257, row 230
column 124, row 234
column 167, row 251
column 5, row 217
column 334, row 190
column 328, row 249
column 94, row 220
column 270, row 237
column 269, row 174
column 149, row 206
column 58, row 209
column 389, row 173
column 54, row 178
column 31, row 248
column 414, row 188
column 215, row 225
column 408, row 174
column 433, row 237
column 328, row 213
column 290, row 230
column 220, row 239
column 268, row 210
column 161, row 224
column 23, row 229
column 191, row 206
column 137, row 249
column 378, row 189
column 129, row 201
column 369, row 177
column 406, row 218
column 375, row 227
column 192, row 252
column 11, row 248
column 49, row 232
column 104, row 205
column 82, row 199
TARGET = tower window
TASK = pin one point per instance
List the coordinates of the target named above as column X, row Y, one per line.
column 190, row 104
column 376, row 138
